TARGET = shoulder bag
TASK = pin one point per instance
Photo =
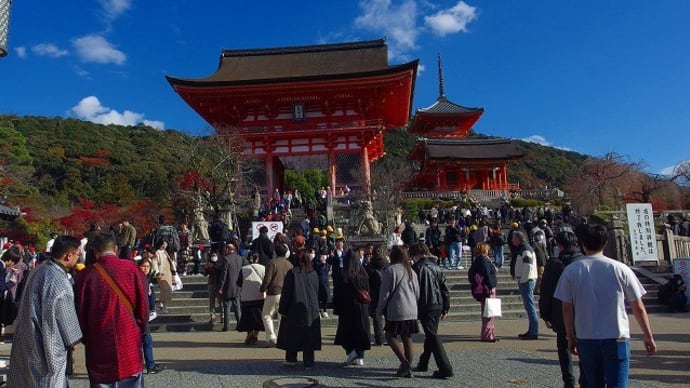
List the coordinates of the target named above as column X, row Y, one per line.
column 116, row 288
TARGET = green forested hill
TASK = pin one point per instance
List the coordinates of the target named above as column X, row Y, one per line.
column 66, row 160
column 53, row 165
column 73, row 159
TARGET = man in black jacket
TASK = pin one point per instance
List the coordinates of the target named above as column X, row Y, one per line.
column 227, row 287
column 550, row 307
column 433, row 305
column 263, row 246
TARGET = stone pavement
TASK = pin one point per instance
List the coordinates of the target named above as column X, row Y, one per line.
column 214, row 359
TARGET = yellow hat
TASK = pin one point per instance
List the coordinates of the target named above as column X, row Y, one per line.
column 329, row 229
column 473, row 227
column 315, row 231
column 514, row 225
column 323, row 232
column 339, row 235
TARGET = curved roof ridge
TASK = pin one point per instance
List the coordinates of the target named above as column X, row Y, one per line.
column 376, row 43
column 500, row 140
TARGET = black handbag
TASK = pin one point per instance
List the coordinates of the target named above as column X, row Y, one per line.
column 8, row 309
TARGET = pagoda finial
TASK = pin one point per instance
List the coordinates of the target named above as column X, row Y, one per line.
column 441, row 92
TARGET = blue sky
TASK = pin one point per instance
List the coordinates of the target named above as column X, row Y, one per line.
column 589, row 76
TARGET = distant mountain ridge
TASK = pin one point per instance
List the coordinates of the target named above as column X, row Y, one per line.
column 72, row 159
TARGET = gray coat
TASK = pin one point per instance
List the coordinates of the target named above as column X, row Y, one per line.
column 398, row 294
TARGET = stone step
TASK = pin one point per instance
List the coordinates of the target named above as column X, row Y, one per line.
column 200, row 321
column 189, row 308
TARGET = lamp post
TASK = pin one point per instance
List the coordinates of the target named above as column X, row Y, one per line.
column 5, row 6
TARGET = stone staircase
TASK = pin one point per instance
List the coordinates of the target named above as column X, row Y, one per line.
column 189, row 308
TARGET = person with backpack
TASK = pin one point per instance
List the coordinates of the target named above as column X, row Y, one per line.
column 167, row 233
column 550, row 308
column 219, row 232
column 482, row 277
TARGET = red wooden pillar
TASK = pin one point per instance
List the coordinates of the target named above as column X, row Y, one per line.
column 269, row 173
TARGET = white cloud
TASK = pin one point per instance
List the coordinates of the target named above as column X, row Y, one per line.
column 115, row 8
column 452, row 20
column 538, row 139
column 397, row 23
column 20, row 51
column 420, row 69
column 90, row 109
column 541, row 140
column 48, row 50
column 94, row 48
column 670, row 170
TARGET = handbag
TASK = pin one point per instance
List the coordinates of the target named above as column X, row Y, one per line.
column 479, row 289
column 8, row 309
column 363, row 296
column 178, row 282
column 492, row 308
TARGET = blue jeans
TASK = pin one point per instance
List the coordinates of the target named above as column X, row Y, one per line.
column 147, row 342
column 606, row 362
column 527, row 294
column 455, row 254
column 227, row 303
column 498, row 256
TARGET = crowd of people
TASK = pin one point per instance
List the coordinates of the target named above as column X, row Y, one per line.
column 101, row 292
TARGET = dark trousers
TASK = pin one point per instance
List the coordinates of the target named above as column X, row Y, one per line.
column 307, row 355
column 125, row 253
column 432, row 343
column 378, row 329
column 566, row 361
column 235, row 303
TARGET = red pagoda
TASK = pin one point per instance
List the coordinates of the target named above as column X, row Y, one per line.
column 320, row 106
column 447, row 160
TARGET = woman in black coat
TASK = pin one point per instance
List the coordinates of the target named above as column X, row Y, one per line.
column 483, row 266
column 300, row 328
column 353, row 315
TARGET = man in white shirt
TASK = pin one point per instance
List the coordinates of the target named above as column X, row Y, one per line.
column 594, row 290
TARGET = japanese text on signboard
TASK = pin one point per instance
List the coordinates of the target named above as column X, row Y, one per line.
column 642, row 233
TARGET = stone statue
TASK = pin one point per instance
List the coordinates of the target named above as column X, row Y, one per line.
column 200, row 226
column 257, row 203
column 368, row 220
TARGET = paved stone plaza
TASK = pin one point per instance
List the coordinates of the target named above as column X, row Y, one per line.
column 214, row 359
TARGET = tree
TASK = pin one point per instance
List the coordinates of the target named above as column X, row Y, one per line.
column 215, row 173
column 598, row 183
column 16, row 165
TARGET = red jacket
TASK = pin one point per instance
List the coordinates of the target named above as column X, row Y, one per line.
column 112, row 335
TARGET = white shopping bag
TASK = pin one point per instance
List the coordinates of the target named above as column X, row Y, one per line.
column 492, row 308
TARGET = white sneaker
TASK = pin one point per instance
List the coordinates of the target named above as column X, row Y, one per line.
column 324, row 315
column 358, row 361
column 461, row 267
column 351, row 358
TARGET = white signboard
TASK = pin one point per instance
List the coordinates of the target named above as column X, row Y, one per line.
column 641, row 231
column 682, row 268
column 274, row 227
